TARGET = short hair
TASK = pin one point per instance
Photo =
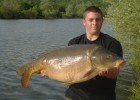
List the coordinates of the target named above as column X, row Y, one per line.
column 92, row 9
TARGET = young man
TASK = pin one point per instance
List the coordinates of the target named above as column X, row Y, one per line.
column 103, row 86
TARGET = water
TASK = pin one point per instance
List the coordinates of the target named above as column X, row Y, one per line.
column 22, row 40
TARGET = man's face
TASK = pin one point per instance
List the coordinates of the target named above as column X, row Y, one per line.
column 93, row 22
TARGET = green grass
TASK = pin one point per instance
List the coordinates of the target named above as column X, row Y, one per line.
column 123, row 16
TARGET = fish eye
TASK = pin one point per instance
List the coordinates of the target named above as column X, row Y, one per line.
column 109, row 56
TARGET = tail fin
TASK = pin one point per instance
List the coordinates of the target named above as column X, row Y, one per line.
column 25, row 79
column 25, row 74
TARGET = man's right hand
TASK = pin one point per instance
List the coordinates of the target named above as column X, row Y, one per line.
column 43, row 73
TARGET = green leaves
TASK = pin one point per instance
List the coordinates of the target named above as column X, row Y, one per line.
column 46, row 8
column 9, row 8
column 123, row 16
column 49, row 8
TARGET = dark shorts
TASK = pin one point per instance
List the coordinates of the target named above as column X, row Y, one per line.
column 73, row 94
column 96, row 98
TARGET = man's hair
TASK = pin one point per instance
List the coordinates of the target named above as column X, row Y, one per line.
column 92, row 9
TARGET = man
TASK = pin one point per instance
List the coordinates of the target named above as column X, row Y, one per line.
column 103, row 86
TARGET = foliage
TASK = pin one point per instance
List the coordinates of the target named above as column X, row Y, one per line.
column 124, row 19
column 9, row 8
column 47, row 8
column 81, row 7
column 76, row 7
column 30, row 13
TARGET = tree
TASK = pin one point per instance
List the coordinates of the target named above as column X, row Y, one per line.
column 123, row 16
column 49, row 8
column 10, row 8
column 70, row 11
column 80, row 7
column 30, row 13
column 46, row 8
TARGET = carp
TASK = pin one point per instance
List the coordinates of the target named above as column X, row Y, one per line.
column 72, row 64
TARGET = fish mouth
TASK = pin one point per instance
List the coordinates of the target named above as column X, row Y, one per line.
column 120, row 63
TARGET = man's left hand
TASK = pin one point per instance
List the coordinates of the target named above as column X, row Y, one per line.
column 110, row 73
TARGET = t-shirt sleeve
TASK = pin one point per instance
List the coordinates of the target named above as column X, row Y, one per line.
column 76, row 40
column 71, row 42
column 116, row 48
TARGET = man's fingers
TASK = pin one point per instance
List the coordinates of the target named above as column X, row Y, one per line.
column 109, row 73
column 43, row 73
column 102, row 73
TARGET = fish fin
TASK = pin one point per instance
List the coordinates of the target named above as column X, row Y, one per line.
column 25, row 79
column 92, row 69
column 88, row 73
column 90, row 64
column 20, row 71
column 25, row 74
column 92, row 74
column 66, row 84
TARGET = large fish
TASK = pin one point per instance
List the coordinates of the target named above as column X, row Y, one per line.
column 72, row 64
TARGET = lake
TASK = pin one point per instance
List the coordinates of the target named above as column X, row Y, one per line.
column 22, row 40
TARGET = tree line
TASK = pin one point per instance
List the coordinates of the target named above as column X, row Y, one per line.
column 31, row 9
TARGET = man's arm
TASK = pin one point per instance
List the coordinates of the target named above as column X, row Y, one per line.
column 116, row 48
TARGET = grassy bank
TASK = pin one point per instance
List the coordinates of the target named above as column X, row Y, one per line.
column 124, row 18
column 135, row 62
